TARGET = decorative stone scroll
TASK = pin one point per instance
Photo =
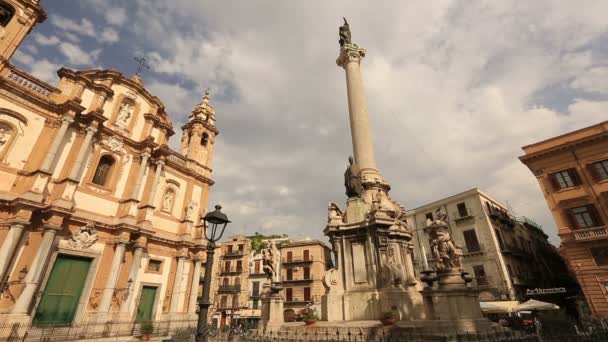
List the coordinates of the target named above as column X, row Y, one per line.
column 85, row 238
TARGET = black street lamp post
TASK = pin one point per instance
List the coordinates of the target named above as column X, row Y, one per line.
column 214, row 224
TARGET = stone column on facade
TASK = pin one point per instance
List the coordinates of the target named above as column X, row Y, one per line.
column 9, row 245
column 140, row 175
column 177, row 285
column 135, row 264
column 350, row 59
column 82, row 152
column 108, row 291
column 34, row 275
column 196, row 279
column 52, row 152
column 159, row 168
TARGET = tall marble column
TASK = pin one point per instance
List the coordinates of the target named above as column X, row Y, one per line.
column 52, row 152
column 350, row 59
column 82, row 152
column 177, row 285
column 135, row 264
column 34, row 275
column 140, row 175
column 9, row 245
column 108, row 291
column 159, row 168
column 196, row 280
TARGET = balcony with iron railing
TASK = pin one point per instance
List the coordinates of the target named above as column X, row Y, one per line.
column 590, row 234
column 229, row 288
column 256, row 274
column 234, row 254
column 297, row 280
column 515, row 251
column 226, row 306
column 229, row 270
column 463, row 217
column 255, row 295
column 298, row 301
column 297, row 260
column 481, row 282
column 472, row 252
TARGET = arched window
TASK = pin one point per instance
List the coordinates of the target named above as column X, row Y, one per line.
column 204, row 139
column 6, row 135
column 102, row 173
column 168, row 200
column 6, row 13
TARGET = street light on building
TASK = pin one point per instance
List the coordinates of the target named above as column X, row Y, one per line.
column 214, row 224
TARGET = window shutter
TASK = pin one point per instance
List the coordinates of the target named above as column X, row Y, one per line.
column 592, row 172
column 596, row 217
column 574, row 175
column 554, row 182
column 571, row 219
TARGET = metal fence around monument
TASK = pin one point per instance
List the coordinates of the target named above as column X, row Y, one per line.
column 183, row 331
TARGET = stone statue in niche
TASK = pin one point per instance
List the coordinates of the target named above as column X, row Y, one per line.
column 447, row 254
column 124, row 113
column 86, row 236
column 352, row 180
column 191, row 210
column 167, row 204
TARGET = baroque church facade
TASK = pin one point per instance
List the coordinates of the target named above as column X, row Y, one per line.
column 99, row 218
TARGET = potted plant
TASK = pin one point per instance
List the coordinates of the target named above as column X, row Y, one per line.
column 309, row 316
column 146, row 329
column 388, row 318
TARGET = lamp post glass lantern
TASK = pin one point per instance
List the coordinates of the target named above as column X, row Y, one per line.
column 214, row 225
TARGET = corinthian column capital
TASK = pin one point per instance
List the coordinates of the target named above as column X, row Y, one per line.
column 350, row 53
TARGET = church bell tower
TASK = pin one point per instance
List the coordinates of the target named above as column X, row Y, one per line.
column 199, row 133
column 17, row 18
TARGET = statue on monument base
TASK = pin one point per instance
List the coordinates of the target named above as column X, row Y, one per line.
column 447, row 254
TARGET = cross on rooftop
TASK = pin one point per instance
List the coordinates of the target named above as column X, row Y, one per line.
column 141, row 65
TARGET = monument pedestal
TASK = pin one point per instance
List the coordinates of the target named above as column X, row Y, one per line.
column 272, row 307
column 453, row 306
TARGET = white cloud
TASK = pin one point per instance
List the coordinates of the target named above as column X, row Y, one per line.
column 593, row 80
column 109, row 35
column 40, row 68
column 115, row 15
column 77, row 56
column 452, row 90
column 44, row 40
column 83, row 27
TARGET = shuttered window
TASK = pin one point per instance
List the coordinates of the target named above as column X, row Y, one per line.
column 601, row 169
column 585, row 217
column 565, row 179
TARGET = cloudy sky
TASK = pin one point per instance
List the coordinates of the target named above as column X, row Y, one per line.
column 455, row 88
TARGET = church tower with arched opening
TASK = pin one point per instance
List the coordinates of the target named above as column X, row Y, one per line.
column 199, row 133
column 17, row 18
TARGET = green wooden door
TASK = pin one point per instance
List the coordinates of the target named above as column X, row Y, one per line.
column 145, row 309
column 63, row 289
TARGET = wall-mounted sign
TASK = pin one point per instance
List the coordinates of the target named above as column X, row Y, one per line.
column 538, row 291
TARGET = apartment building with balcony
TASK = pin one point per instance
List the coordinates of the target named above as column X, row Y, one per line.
column 506, row 256
column 229, row 289
column 572, row 171
column 303, row 265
